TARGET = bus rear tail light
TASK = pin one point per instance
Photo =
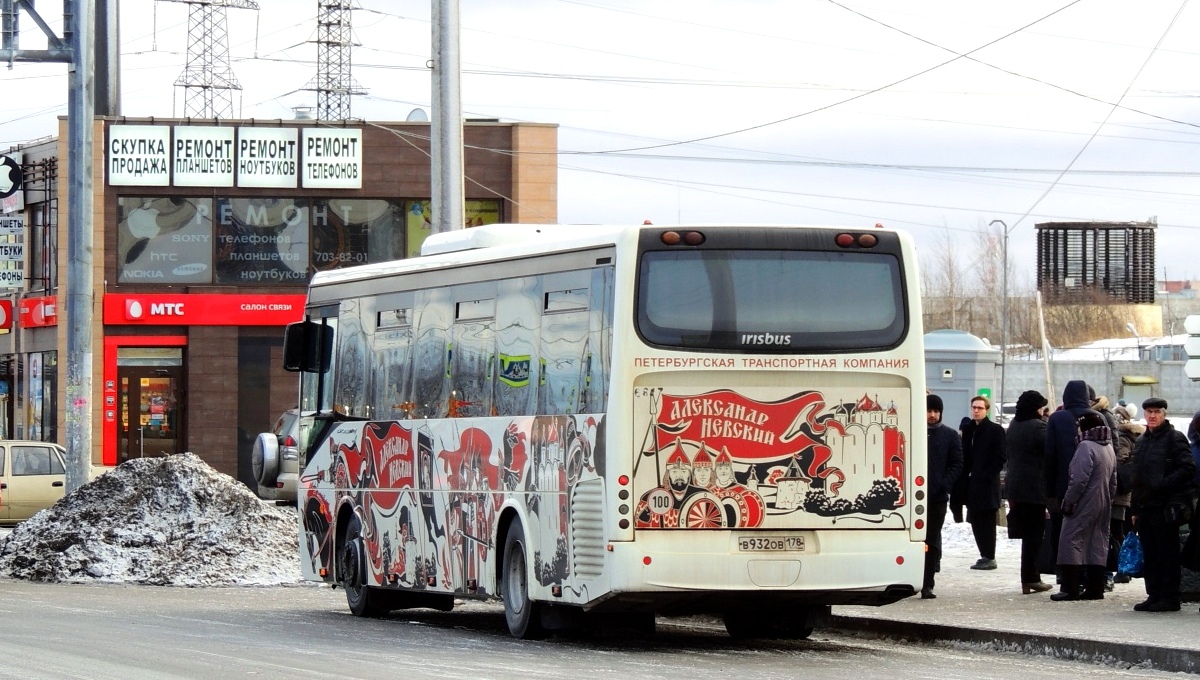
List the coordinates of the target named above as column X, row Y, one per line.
column 861, row 240
column 674, row 238
column 623, row 494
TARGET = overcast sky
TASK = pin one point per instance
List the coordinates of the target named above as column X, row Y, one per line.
column 803, row 111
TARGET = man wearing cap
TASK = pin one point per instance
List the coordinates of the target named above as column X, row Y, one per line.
column 1162, row 500
column 945, row 465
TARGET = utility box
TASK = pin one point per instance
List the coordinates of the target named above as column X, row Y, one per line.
column 959, row 366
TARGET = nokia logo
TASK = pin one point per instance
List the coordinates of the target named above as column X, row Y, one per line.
column 765, row 339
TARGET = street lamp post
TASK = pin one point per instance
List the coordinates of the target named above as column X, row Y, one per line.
column 1003, row 314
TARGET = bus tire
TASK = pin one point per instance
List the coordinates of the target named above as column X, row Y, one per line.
column 744, row 625
column 362, row 599
column 520, row 611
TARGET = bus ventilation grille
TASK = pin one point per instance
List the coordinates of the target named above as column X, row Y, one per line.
column 587, row 528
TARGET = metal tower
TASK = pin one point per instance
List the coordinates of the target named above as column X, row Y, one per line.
column 1079, row 259
column 334, row 84
column 207, row 80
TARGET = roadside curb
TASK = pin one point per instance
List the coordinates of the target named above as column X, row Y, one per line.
column 1168, row 659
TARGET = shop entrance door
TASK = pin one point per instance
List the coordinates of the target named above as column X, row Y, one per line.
column 149, row 411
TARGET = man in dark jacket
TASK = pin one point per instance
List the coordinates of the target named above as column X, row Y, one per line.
column 1061, row 429
column 1163, row 472
column 983, row 458
column 945, row 465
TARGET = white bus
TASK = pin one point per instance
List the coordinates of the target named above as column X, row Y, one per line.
column 619, row 422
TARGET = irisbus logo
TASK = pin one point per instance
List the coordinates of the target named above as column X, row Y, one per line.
column 765, row 339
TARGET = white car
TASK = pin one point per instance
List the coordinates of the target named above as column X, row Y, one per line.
column 276, row 456
column 1003, row 414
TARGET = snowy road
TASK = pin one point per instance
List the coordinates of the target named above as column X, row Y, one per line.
column 153, row 633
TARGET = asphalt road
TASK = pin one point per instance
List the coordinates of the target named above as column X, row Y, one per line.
column 300, row 632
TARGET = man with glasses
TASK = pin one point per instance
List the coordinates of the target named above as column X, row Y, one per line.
column 983, row 459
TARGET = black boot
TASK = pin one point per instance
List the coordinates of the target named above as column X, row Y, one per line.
column 1095, row 578
column 1072, row 577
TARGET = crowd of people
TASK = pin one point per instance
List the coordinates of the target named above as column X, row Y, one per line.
column 1081, row 477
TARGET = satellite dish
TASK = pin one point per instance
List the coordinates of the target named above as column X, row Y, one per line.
column 417, row 116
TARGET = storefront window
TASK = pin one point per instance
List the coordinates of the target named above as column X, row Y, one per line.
column 418, row 220
column 347, row 232
column 42, row 420
column 164, row 240
column 262, row 241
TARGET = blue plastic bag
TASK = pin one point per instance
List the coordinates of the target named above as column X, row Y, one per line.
column 1131, row 560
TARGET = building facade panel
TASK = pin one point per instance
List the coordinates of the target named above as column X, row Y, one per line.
column 194, row 277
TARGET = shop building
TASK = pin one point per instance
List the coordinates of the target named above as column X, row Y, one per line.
column 206, row 234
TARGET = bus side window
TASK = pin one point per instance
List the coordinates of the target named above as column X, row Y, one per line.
column 518, row 321
column 598, row 361
column 432, row 353
column 352, row 361
column 393, row 347
column 564, row 346
column 473, row 359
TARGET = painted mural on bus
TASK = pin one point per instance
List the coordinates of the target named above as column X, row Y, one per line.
column 720, row 458
column 428, row 494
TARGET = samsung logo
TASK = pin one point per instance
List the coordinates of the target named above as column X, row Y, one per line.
column 766, row 339
column 189, row 269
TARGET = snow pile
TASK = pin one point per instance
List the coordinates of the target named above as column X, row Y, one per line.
column 158, row 521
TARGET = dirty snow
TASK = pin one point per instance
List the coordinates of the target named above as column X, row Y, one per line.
column 157, row 521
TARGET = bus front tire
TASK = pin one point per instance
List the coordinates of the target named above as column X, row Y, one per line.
column 520, row 611
column 362, row 599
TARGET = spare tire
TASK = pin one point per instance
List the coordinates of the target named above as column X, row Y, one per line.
column 264, row 459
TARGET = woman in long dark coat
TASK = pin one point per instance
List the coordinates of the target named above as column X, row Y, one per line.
column 1025, row 485
column 1086, row 507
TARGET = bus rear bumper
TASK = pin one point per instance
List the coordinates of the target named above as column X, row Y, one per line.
column 864, row 569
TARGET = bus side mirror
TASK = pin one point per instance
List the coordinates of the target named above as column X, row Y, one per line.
column 307, row 346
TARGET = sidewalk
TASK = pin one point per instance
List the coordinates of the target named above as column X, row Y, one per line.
column 987, row 607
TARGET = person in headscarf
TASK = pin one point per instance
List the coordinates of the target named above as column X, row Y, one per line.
column 1025, row 487
column 1086, row 508
column 1061, row 430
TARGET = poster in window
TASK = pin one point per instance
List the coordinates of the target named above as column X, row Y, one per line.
column 262, row 241
column 164, row 240
column 346, row 232
column 419, row 221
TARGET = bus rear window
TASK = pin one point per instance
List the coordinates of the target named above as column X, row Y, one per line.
column 771, row 301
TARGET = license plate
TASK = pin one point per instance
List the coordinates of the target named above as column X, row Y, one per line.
column 770, row 543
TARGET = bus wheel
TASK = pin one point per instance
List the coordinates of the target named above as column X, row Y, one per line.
column 352, row 570
column 520, row 612
column 757, row 626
